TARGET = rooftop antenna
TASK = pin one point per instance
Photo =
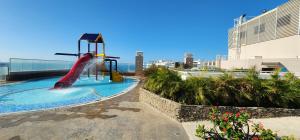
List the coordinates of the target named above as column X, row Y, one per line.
column 264, row 11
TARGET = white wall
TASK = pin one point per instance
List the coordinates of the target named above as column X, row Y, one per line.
column 232, row 55
column 241, row 64
column 288, row 47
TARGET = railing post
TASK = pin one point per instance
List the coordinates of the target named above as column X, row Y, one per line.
column 96, row 51
column 78, row 49
column 89, row 52
column 110, row 70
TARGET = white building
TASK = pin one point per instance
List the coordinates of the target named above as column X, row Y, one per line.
column 198, row 63
column 268, row 41
column 203, row 64
column 165, row 63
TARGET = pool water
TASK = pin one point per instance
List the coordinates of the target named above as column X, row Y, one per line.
column 37, row 94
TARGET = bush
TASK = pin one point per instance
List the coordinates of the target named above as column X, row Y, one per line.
column 292, row 97
column 226, row 90
column 151, row 70
column 235, row 126
column 198, row 91
column 165, row 83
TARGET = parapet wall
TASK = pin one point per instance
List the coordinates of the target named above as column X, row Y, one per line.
column 184, row 113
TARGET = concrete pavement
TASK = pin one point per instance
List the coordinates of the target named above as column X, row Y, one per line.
column 122, row 117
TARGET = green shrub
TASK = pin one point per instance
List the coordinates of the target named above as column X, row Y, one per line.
column 254, row 87
column 151, row 70
column 165, row 83
column 275, row 88
column 198, row 91
column 226, row 90
column 292, row 97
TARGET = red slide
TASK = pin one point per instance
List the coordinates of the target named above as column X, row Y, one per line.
column 74, row 73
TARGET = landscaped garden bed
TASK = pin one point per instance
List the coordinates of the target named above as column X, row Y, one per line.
column 184, row 113
column 193, row 98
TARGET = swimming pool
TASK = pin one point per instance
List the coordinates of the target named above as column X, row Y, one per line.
column 35, row 94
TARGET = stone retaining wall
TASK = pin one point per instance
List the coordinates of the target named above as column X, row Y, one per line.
column 185, row 113
column 168, row 107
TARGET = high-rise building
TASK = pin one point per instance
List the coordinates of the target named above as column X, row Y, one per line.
column 188, row 60
column 139, row 61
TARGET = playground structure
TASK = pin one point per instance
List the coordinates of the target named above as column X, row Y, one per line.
column 84, row 59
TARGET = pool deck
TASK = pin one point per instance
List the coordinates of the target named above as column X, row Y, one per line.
column 122, row 117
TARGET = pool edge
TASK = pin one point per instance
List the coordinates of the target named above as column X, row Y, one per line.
column 77, row 105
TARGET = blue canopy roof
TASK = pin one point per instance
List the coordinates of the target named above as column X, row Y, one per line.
column 92, row 38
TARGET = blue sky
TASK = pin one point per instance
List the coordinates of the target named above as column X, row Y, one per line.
column 163, row 29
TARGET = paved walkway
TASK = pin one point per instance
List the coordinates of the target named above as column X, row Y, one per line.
column 122, row 117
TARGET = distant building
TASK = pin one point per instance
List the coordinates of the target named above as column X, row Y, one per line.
column 139, row 61
column 198, row 63
column 188, row 60
column 205, row 64
column 268, row 41
column 164, row 63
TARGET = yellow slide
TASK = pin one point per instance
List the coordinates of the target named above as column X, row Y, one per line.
column 117, row 77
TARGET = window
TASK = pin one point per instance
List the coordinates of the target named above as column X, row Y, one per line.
column 256, row 29
column 285, row 20
column 259, row 28
column 242, row 34
column 262, row 28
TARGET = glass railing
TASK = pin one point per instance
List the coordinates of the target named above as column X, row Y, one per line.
column 126, row 67
column 30, row 65
column 23, row 65
column 3, row 72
